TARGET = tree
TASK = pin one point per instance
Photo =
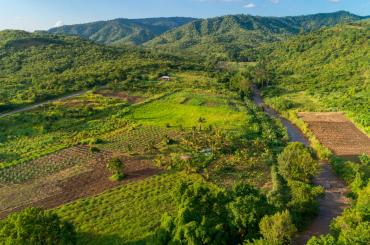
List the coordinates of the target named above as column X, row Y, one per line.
column 278, row 228
column 37, row 227
column 296, row 163
column 202, row 217
column 247, row 208
column 322, row 240
column 115, row 166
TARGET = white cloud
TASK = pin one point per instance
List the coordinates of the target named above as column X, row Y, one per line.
column 275, row 1
column 249, row 5
column 334, row 1
column 59, row 23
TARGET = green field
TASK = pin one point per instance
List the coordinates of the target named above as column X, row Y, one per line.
column 125, row 215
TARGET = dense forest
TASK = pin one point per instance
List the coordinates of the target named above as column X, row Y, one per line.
column 123, row 31
column 38, row 66
column 236, row 36
column 327, row 70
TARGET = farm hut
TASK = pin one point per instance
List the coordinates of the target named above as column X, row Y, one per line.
column 165, row 78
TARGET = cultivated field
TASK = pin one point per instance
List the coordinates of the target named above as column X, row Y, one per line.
column 337, row 133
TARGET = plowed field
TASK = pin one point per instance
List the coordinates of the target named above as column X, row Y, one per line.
column 337, row 133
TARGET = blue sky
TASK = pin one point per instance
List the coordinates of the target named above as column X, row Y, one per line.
column 43, row 14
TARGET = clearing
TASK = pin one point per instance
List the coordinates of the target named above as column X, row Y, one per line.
column 337, row 133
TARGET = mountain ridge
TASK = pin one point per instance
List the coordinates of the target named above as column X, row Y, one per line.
column 122, row 30
column 231, row 35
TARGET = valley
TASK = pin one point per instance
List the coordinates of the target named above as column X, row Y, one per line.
column 237, row 129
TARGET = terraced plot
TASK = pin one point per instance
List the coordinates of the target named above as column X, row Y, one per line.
column 337, row 133
column 127, row 214
column 62, row 177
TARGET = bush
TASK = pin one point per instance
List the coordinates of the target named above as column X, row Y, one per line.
column 303, row 204
column 247, row 208
column 296, row 163
column 322, row 240
column 278, row 228
column 35, row 226
column 202, row 217
column 115, row 166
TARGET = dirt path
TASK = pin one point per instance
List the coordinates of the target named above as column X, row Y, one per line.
column 31, row 107
column 334, row 201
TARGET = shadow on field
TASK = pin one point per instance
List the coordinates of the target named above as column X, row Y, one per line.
column 99, row 239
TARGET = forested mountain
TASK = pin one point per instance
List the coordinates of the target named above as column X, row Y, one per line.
column 235, row 35
column 123, row 31
column 327, row 70
column 38, row 66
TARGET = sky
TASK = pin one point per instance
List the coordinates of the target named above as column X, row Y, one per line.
column 33, row 15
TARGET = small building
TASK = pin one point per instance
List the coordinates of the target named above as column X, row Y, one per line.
column 165, row 78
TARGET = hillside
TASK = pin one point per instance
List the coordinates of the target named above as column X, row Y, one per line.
column 326, row 70
column 123, row 31
column 36, row 66
column 236, row 35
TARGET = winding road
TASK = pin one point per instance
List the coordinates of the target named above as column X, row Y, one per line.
column 334, row 201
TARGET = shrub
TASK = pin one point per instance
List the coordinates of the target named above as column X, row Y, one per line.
column 296, row 163
column 202, row 217
column 115, row 166
column 278, row 228
column 322, row 240
column 35, row 226
column 247, row 208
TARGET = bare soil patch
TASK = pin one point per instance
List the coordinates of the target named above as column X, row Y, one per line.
column 78, row 181
column 120, row 95
column 337, row 133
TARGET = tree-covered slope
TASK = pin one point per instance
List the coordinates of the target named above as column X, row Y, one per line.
column 328, row 70
column 38, row 66
column 235, row 35
column 123, row 31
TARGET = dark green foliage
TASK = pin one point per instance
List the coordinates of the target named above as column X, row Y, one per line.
column 235, row 36
column 322, row 240
column 36, row 227
column 296, row 163
column 201, row 218
column 37, row 66
column 247, row 207
column 278, row 228
column 123, row 31
column 279, row 194
column 329, row 67
column 209, row 215
column 353, row 226
column 115, row 167
column 303, row 204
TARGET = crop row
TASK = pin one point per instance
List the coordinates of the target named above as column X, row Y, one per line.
column 49, row 164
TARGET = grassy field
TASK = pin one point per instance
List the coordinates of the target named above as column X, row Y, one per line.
column 228, row 139
column 183, row 109
column 125, row 215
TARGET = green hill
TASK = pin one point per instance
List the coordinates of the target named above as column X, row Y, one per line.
column 327, row 70
column 123, row 31
column 236, row 35
column 39, row 66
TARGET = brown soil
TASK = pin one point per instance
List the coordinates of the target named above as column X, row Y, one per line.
column 330, row 206
column 334, row 200
column 87, row 183
column 121, row 95
column 337, row 133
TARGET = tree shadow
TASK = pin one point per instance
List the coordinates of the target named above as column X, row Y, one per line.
column 113, row 239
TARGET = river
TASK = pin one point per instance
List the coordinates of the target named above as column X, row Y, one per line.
column 334, row 201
